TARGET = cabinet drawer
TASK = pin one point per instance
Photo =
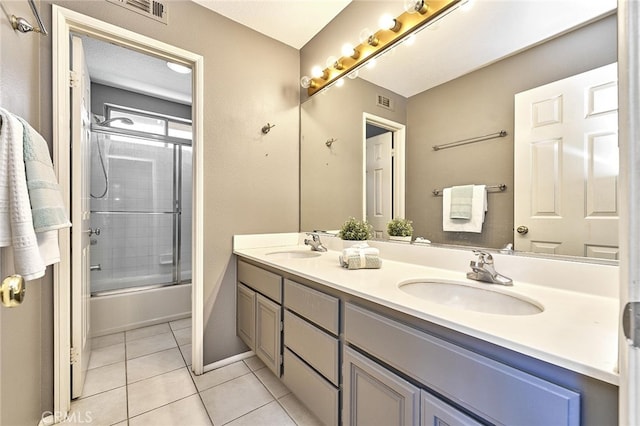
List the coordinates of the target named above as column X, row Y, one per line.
column 494, row 391
column 313, row 305
column 315, row 392
column 317, row 348
column 263, row 281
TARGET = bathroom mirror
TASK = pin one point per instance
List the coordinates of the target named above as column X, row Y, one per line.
column 444, row 92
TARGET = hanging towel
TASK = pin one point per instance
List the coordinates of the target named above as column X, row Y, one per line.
column 47, row 206
column 360, row 256
column 478, row 209
column 27, row 180
column 461, row 202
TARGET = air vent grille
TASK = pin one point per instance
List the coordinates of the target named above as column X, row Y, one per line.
column 384, row 102
column 150, row 8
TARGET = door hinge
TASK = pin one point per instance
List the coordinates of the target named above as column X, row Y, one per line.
column 74, row 81
column 73, row 356
column 631, row 323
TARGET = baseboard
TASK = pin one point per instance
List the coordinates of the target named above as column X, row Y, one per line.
column 227, row 361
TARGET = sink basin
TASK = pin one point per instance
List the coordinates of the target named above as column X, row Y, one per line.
column 463, row 296
column 293, row 254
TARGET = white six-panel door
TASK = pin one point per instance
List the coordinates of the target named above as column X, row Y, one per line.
column 379, row 183
column 80, row 215
column 566, row 166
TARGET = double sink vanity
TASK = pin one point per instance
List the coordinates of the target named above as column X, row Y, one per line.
column 416, row 342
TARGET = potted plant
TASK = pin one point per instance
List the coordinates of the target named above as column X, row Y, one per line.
column 355, row 230
column 400, row 229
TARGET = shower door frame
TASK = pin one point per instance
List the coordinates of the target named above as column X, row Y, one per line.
column 64, row 23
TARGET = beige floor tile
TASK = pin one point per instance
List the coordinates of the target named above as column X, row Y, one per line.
column 152, row 330
column 298, row 412
column 108, row 340
column 235, row 398
column 188, row 411
column 183, row 336
column 272, row 383
column 186, row 354
column 105, row 408
column 107, row 355
column 220, row 375
column 149, row 345
column 254, row 363
column 182, row 323
column 271, row 414
column 157, row 391
column 154, row 364
column 105, row 378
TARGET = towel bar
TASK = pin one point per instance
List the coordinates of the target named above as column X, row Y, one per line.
column 501, row 187
column 500, row 134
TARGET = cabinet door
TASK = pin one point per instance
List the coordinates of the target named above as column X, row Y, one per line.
column 268, row 333
column 438, row 413
column 375, row 396
column 246, row 315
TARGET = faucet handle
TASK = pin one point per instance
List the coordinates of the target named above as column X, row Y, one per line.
column 314, row 236
column 483, row 257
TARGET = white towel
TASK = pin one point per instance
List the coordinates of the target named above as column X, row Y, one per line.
column 27, row 182
column 478, row 209
column 26, row 255
column 360, row 256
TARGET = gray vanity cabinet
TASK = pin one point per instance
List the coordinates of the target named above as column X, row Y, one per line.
column 492, row 391
column 372, row 395
column 312, row 349
column 259, row 313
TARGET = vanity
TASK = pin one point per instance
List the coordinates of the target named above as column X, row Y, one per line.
column 357, row 347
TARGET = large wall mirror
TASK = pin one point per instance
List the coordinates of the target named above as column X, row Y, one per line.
column 457, row 80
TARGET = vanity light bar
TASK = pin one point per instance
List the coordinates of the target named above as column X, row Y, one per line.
column 384, row 39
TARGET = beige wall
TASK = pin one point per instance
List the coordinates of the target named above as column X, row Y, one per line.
column 26, row 349
column 477, row 104
column 331, row 180
column 251, row 180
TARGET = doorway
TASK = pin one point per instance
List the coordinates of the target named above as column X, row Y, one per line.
column 384, row 172
column 65, row 24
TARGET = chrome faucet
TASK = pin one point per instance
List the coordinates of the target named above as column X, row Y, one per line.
column 483, row 270
column 314, row 242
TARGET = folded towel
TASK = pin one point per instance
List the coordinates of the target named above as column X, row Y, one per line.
column 47, row 206
column 366, row 261
column 26, row 256
column 478, row 209
column 461, row 201
column 360, row 256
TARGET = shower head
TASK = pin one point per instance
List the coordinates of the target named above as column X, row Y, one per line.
column 123, row 120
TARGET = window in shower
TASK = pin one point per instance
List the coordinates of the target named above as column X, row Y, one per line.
column 141, row 201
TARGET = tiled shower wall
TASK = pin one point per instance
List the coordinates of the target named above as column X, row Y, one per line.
column 136, row 215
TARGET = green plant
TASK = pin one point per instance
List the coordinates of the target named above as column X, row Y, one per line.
column 355, row 230
column 400, row 228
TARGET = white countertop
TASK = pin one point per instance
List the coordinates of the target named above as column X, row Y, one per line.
column 577, row 331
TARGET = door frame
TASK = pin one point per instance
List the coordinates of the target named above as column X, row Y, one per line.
column 399, row 143
column 65, row 22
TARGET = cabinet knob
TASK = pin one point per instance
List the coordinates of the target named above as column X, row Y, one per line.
column 12, row 291
column 522, row 230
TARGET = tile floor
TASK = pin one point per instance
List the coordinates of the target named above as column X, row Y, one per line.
column 142, row 377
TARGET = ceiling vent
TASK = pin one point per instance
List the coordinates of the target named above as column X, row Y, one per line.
column 384, row 102
column 150, row 8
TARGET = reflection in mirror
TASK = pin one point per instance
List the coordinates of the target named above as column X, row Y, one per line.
column 465, row 104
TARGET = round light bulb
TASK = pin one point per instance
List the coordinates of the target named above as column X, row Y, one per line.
column 340, row 82
column 364, row 35
column 181, row 69
column 388, row 22
column 316, row 72
column 348, row 50
column 331, row 61
column 305, row 82
column 353, row 75
column 413, row 6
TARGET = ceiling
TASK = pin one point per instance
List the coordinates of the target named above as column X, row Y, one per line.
column 461, row 42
